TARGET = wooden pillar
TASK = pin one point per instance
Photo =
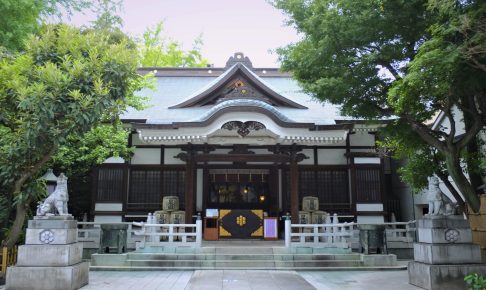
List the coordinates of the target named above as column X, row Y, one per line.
column 294, row 189
column 190, row 185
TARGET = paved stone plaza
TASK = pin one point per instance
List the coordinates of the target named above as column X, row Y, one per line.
column 248, row 279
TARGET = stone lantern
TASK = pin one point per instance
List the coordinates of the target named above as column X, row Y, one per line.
column 51, row 180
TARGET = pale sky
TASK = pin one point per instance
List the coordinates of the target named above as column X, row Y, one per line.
column 253, row 27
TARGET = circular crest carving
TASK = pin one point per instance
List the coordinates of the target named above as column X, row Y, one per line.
column 451, row 235
column 46, row 237
column 243, row 128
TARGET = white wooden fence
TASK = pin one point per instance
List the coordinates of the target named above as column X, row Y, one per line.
column 89, row 234
column 333, row 234
column 171, row 235
column 142, row 234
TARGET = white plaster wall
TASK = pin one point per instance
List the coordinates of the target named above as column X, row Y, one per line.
column 331, row 157
column 444, row 124
column 146, row 156
column 309, row 153
column 372, row 219
column 108, row 207
column 369, row 207
column 361, row 139
column 199, row 189
column 169, row 154
column 107, row 219
column 114, row 160
column 136, row 140
column 367, row 160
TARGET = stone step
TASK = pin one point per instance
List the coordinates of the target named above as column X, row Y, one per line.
column 284, row 257
column 141, row 268
column 244, row 263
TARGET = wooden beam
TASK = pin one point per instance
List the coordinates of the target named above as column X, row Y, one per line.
column 242, row 157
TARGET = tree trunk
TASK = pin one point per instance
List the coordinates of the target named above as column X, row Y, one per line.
column 462, row 183
column 16, row 229
column 21, row 208
column 453, row 191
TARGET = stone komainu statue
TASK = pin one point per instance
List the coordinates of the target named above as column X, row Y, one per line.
column 56, row 202
column 439, row 203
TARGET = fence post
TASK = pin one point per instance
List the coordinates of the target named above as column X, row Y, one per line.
column 288, row 230
column 171, row 234
column 4, row 259
column 198, row 232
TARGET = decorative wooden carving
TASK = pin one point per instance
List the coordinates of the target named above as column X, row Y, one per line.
column 243, row 129
column 239, row 89
column 240, row 149
column 291, row 151
column 239, row 57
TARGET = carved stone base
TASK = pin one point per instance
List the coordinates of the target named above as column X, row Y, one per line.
column 440, row 277
column 50, row 255
column 48, row 278
column 447, row 253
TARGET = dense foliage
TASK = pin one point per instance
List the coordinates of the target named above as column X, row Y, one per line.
column 22, row 17
column 65, row 83
column 155, row 50
column 404, row 61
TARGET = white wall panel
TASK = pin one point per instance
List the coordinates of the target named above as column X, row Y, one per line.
column 169, row 156
column 108, row 207
column 146, row 156
column 362, row 139
column 309, row 153
column 331, row 157
column 369, row 207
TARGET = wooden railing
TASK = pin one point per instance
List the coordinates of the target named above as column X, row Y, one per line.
column 400, row 232
column 334, row 234
column 160, row 235
column 9, row 258
column 89, row 234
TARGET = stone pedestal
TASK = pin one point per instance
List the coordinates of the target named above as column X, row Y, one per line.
column 444, row 254
column 51, row 258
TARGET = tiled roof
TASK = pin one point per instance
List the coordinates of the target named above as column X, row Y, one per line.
column 174, row 90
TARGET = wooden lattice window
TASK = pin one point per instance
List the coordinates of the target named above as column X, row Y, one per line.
column 145, row 189
column 173, row 184
column 333, row 188
column 368, row 185
column 109, row 184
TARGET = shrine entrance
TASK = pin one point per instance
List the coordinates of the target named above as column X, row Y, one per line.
column 240, row 200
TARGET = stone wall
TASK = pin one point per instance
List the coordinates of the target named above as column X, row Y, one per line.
column 478, row 227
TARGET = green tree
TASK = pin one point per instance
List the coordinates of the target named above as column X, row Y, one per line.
column 22, row 17
column 155, row 50
column 401, row 59
column 65, row 83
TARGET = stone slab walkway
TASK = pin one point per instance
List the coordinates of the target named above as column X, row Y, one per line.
column 147, row 280
column 359, row 280
column 248, row 280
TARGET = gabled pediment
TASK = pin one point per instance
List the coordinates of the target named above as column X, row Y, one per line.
column 238, row 82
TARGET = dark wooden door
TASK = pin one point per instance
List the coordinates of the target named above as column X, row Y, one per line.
column 241, row 223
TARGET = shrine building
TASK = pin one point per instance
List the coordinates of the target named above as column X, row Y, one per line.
column 244, row 138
